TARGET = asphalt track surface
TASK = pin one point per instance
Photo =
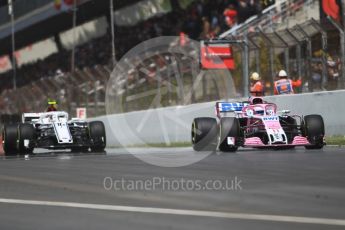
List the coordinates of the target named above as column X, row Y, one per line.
column 291, row 189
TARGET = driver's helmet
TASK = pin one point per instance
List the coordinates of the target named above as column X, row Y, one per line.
column 256, row 100
column 52, row 105
column 52, row 102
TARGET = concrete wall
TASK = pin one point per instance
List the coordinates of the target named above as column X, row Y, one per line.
column 330, row 105
column 173, row 124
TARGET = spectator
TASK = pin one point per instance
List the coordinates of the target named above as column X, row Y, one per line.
column 246, row 9
column 317, row 76
column 206, row 31
column 202, row 19
column 333, row 73
column 230, row 16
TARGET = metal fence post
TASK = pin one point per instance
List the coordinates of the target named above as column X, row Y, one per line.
column 309, row 57
column 256, row 54
column 271, row 50
column 324, row 44
column 271, row 57
column 159, row 87
column 257, row 60
column 342, row 51
column 245, row 66
column 194, row 76
column 87, row 89
column 169, row 84
column 179, row 80
column 287, row 59
column 298, row 53
column 286, row 52
column 96, row 97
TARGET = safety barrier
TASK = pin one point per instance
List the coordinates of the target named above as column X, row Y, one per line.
column 172, row 124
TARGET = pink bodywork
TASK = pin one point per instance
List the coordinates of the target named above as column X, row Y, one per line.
column 260, row 107
column 255, row 142
column 255, row 122
column 269, row 124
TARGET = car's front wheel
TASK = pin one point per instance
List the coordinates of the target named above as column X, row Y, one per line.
column 314, row 129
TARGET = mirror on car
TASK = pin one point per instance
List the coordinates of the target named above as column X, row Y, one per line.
column 249, row 112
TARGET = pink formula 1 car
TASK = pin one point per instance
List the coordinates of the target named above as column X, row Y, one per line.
column 256, row 124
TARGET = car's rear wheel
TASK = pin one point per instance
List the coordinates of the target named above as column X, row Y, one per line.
column 97, row 136
column 230, row 134
column 10, row 135
column 314, row 129
column 204, row 134
column 26, row 135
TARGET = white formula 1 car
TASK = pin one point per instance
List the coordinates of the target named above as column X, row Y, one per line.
column 53, row 130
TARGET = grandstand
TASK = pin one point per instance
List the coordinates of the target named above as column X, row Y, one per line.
column 45, row 37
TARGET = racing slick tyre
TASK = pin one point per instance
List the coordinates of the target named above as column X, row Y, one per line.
column 314, row 129
column 9, row 135
column 229, row 127
column 97, row 136
column 26, row 132
column 204, row 134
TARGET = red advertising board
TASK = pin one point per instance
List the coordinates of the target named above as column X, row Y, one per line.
column 216, row 56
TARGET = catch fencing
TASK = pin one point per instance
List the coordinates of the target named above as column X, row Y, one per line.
column 313, row 51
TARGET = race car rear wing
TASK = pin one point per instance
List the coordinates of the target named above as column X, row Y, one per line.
column 53, row 116
column 30, row 117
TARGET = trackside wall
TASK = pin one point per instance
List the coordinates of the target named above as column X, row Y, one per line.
column 173, row 124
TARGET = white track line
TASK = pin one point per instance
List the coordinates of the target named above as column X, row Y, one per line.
column 227, row 215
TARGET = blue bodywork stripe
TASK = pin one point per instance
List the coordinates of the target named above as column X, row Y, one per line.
column 231, row 107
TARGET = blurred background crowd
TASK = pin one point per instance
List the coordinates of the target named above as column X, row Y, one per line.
column 202, row 19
